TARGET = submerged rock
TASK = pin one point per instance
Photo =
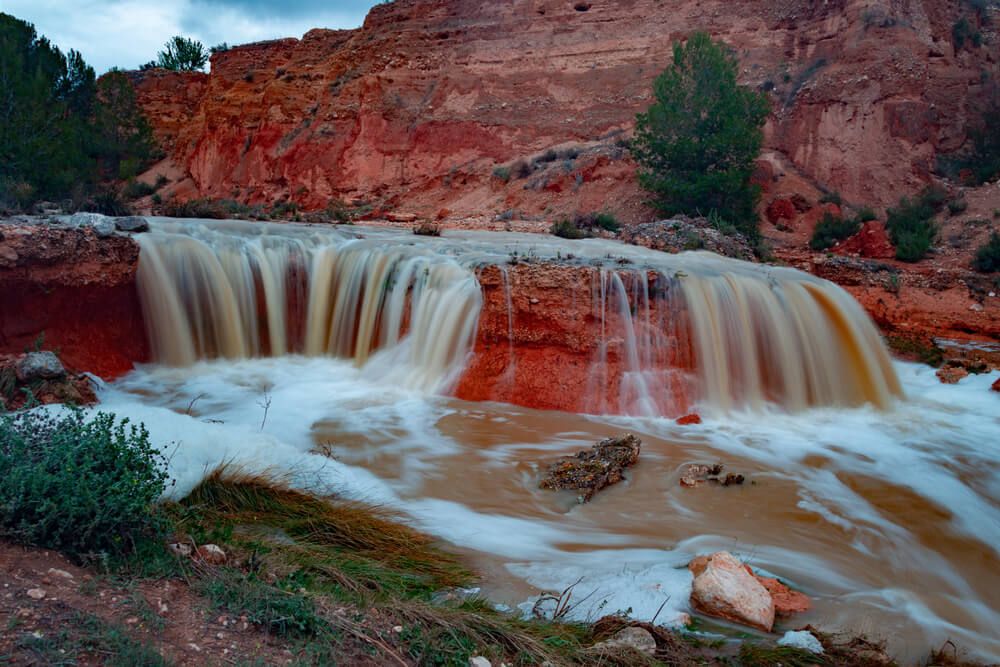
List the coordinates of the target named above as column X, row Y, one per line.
column 594, row 469
column 951, row 374
column 687, row 420
column 786, row 601
column 696, row 474
column 724, row 588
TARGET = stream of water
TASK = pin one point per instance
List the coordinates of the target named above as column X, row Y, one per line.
column 887, row 513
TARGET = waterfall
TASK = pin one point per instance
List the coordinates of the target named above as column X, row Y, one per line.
column 235, row 290
column 669, row 329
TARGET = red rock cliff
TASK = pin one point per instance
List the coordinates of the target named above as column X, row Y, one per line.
column 417, row 108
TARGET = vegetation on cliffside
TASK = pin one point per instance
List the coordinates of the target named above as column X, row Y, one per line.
column 697, row 143
column 64, row 131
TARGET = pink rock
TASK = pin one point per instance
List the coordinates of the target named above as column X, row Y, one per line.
column 786, row 601
column 724, row 588
column 996, row 385
column 693, row 418
column 211, row 554
column 951, row 374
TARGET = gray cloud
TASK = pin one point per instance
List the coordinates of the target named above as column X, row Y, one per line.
column 127, row 33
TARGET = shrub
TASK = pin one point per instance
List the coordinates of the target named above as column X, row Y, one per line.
column 831, row 198
column 607, row 221
column 109, row 202
column 988, row 256
column 136, row 189
column 963, row 31
column 866, row 214
column 82, row 487
column 911, row 227
column 566, row 229
column 697, row 143
column 503, row 173
column 521, row 169
column 833, row 228
column 183, row 55
column 956, row 206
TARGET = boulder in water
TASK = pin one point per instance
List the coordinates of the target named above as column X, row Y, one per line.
column 996, row 385
column 594, row 469
column 132, row 223
column 724, row 588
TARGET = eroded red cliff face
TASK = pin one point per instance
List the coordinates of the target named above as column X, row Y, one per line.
column 554, row 337
column 416, row 109
column 77, row 291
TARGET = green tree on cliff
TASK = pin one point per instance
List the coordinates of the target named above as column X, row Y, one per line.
column 182, row 54
column 122, row 138
column 697, row 143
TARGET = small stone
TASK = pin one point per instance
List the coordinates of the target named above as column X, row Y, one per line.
column 181, row 549
column 802, row 639
column 132, row 223
column 397, row 629
column 695, row 474
column 62, row 574
column 211, row 554
column 36, row 593
column 634, row 637
column 132, row 620
column 195, row 648
column 479, row 661
column 39, row 366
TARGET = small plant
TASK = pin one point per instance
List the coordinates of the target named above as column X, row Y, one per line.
column 996, row 213
column 831, row 229
column 832, row 197
column 503, row 173
column 910, row 224
column 956, row 206
column 607, row 221
column 866, row 214
column 521, row 169
column 566, row 229
column 135, row 189
column 988, row 256
column 82, row 487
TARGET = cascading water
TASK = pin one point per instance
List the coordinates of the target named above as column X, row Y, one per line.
column 406, row 309
column 239, row 290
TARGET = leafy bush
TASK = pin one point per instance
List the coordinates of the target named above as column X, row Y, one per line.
column 503, row 173
column 566, row 229
column 988, row 256
column 182, row 54
column 833, row 228
column 136, row 189
column 831, row 198
column 866, row 214
column 956, row 206
column 697, row 143
column 82, row 487
column 109, row 202
column 607, row 221
column 911, row 227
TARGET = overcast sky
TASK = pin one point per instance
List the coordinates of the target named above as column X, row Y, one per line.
column 127, row 33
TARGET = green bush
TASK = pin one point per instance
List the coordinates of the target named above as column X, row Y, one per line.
column 911, row 227
column 136, row 189
column 182, row 54
column 831, row 198
column 831, row 229
column 866, row 214
column 607, row 221
column 86, row 488
column 503, row 173
column 567, row 229
column 988, row 256
column 956, row 206
column 697, row 143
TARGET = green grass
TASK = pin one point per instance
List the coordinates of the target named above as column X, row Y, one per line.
column 87, row 636
column 831, row 229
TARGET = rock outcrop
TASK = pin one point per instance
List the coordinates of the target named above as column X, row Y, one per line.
column 522, row 106
column 74, row 290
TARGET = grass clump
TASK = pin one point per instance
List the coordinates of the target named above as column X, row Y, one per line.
column 833, row 228
column 86, row 488
column 89, row 636
column 583, row 225
column 503, row 173
column 987, row 258
column 278, row 607
column 910, row 224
